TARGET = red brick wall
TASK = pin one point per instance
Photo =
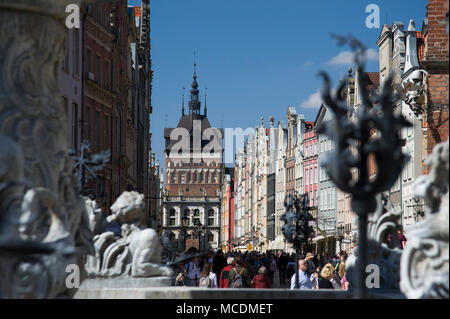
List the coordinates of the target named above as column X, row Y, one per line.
column 436, row 46
column 436, row 57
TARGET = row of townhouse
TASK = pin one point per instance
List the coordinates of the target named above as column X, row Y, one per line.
column 418, row 61
column 285, row 159
column 106, row 83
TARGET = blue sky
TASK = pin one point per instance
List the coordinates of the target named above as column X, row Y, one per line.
column 256, row 57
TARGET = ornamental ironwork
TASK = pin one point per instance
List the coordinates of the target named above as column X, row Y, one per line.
column 297, row 228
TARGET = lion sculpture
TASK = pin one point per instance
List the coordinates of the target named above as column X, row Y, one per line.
column 136, row 253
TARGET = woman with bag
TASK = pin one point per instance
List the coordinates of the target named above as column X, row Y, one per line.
column 208, row 279
column 261, row 280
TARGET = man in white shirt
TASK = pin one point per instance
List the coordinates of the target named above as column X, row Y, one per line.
column 304, row 282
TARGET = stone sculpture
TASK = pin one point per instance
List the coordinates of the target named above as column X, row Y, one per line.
column 41, row 213
column 136, row 253
column 425, row 259
column 383, row 247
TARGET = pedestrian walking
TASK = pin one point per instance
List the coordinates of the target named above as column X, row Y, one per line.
column 304, row 280
column 193, row 273
column 282, row 265
column 272, row 268
column 208, row 278
column 239, row 276
column 180, row 275
column 343, row 275
column 314, row 278
column 310, row 264
column 325, row 277
column 224, row 274
column 291, row 267
column 401, row 238
column 261, row 280
column 219, row 262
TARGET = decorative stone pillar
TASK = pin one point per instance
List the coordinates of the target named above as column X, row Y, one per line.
column 40, row 209
column 425, row 259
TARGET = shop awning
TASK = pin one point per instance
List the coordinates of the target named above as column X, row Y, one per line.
column 317, row 238
column 277, row 244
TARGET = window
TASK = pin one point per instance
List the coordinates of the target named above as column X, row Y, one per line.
column 331, row 197
column 182, row 178
column 410, row 170
column 328, row 198
column 187, row 190
column 210, row 238
column 97, row 131
column 87, row 124
column 201, row 177
column 106, row 133
column 410, row 129
column 316, row 197
column 89, row 60
column 321, row 198
column 307, row 177
column 172, row 217
column 211, row 217
column 315, row 175
column 106, row 76
column 196, row 217
column 98, row 67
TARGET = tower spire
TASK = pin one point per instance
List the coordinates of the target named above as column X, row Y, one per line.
column 206, row 110
column 182, row 103
column 194, row 103
column 195, row 65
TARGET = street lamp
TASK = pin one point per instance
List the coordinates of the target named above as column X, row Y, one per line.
column 201, row 233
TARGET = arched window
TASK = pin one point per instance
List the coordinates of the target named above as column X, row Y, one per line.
column 211, row 217
column 186, row 214
column 189, row 176
column 195, row 177
column 196, row 217
column 201, row 178
column 172, row 217
column 207, row 178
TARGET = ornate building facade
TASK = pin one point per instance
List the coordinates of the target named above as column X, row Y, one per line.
column 192, row 197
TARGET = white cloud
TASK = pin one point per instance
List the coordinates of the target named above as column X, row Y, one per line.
column 346, row 57
column 313, row 101
column 372, row 55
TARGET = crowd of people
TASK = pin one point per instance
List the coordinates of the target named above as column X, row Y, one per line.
column 259, row 270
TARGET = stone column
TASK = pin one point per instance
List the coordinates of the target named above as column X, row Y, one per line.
column 40, row 209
